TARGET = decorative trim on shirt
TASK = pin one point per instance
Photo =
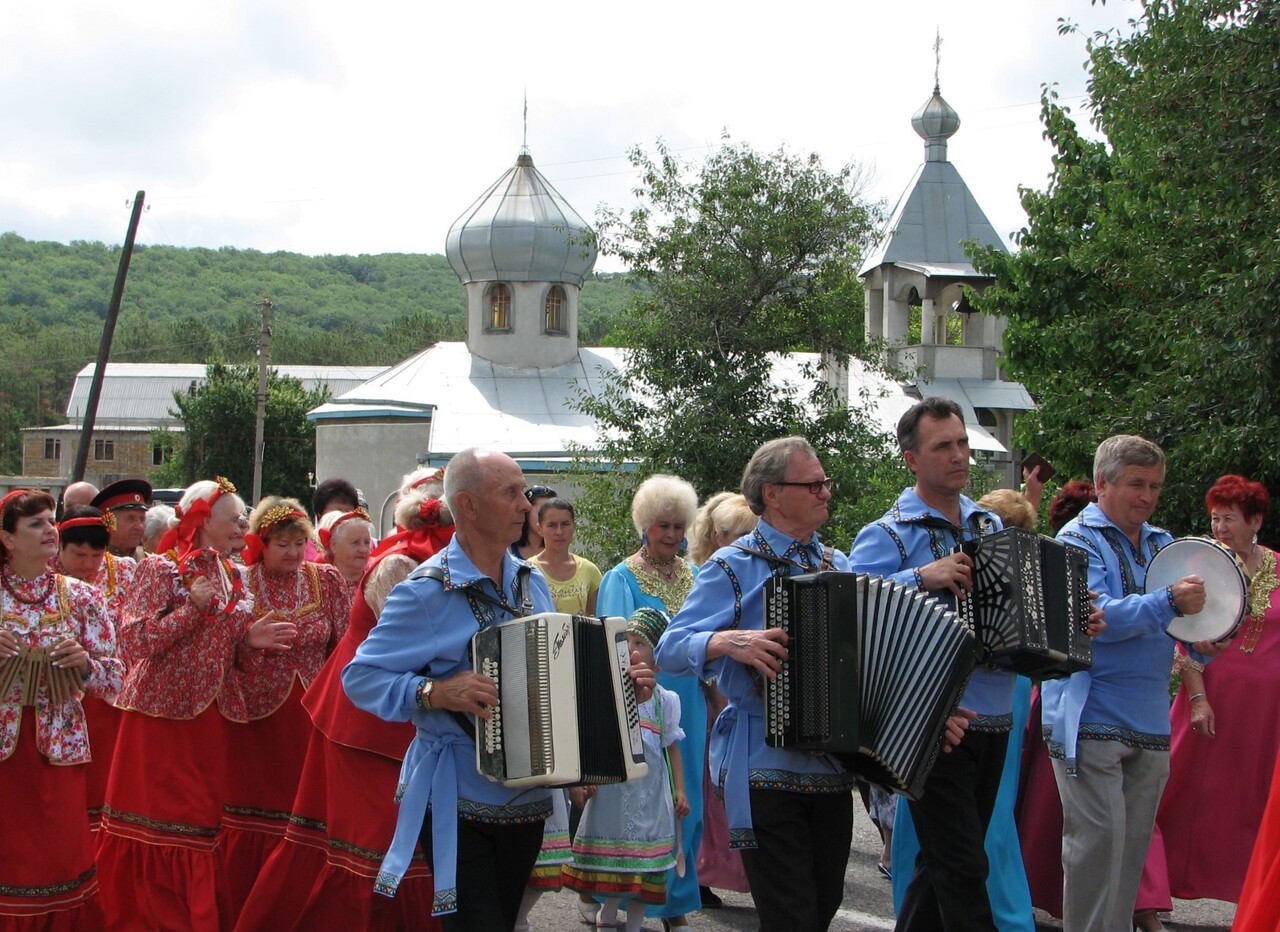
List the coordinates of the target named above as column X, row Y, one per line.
column 992, row 724
column 670, row 592
column 740, row 838
column 793, row 782
column 507, row 814
column 1096, row 731
column 737, row 589
column 61, row 888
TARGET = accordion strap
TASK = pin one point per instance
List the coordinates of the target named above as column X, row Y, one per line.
column 828, row 557
column 436, row 573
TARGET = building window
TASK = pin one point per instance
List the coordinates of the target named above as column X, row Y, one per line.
column 104, row 449
column 53, row 448
column 498, row 308
column 157, row 455
column 553, row 318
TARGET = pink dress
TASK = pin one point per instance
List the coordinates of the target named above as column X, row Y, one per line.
column 1218, row 787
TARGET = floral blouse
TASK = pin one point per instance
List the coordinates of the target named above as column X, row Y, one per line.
column 180, row 655
column 70, row 609
column 314, row 598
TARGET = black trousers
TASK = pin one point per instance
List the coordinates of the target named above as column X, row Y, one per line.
column 948, row 889
column 494, row 863
column 797, row 871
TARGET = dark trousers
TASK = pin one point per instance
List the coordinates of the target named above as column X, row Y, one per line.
column 797, row 871
column 494, row 863
column 948, row 889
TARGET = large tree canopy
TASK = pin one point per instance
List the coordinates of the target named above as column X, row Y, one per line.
column 745, row 256
column 1143, row 298
column 218, row 424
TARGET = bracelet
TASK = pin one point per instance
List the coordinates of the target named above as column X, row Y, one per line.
column 422, row 695
column 1197, row 696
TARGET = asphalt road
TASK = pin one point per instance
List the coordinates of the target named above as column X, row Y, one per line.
column 868, row 904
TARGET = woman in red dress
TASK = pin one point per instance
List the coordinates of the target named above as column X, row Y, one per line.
column 265, row 756
column 56, row 644
column 321, row 878
column 83, row 535
column 183, row 618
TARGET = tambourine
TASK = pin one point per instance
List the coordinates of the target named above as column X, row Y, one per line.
column 1225, row 587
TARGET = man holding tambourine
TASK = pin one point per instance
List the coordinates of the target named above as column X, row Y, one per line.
column 1108, row 727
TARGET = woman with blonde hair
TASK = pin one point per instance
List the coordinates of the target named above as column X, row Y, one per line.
column 184, row 617
column 656, row 576
column 266, row 754
column 343, row 811
column 724, row 518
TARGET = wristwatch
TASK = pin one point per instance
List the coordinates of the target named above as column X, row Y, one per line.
column 424, row 692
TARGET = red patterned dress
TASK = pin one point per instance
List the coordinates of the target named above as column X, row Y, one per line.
column 266, row 754
column 112, row 581
column 162, row 820
column 321, row 879
column 47, row 875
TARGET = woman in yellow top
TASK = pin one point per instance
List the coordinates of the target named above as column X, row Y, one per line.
column 574, row 580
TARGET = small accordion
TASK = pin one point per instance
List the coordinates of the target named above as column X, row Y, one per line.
column 34, row 666
column 567, row 712
column 874, row 670
column 1029, row 607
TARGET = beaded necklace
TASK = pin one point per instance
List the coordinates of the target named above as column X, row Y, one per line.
column 6, row 578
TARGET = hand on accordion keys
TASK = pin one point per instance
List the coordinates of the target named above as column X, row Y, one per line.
column 643, row 677
column 954, row 572
column 956, row 726
column 1097, row 617
column 762, row 650
column 467, row 691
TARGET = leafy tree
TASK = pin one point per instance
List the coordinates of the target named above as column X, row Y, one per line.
column 1143, row 298
column 741, row 258
column 218, row 424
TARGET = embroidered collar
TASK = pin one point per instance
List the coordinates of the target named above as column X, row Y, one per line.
column 911, row 509
column 1094, row 517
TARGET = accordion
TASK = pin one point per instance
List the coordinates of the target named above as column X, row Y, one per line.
column 873, row 672
column 1030, row 604
column 567, row 708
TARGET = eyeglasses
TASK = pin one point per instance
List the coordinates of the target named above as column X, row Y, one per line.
column 814, row 487
column 539, row 491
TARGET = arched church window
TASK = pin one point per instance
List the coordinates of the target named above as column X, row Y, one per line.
column 553, row 316
column 498, row 308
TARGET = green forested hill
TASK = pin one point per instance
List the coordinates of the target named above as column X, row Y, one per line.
column 201, row 305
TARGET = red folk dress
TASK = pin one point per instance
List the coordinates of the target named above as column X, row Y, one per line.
column 321, row 878
column 112, row 581
column 162, row 819
column 266, row 753
column 47, row 874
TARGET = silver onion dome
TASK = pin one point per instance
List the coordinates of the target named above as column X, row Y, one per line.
column 521, row 229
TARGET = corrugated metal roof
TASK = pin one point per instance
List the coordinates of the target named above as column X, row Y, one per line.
column 141, row 394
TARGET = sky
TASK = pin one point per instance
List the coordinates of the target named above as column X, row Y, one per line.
column 325, row 127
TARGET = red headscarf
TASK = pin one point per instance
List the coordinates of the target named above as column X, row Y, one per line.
column 190, row 521
column 421, row 542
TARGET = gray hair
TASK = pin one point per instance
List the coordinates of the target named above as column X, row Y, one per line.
column 465, row 473
column 158, row 517
column 768, row 465
column 204, row 489
column 936, row 407
column 663, row 495
column 1115, row 453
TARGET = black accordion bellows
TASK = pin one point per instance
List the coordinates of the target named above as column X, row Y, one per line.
column 567, row 712
column 874, row 671
column 1030, row 604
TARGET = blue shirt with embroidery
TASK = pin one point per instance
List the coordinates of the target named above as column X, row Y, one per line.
column 729, row 594
column 911, row 535
column 425, row 630
column 1125, row 695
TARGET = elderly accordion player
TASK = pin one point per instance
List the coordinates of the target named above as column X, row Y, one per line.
column 567, row 710
column 873, row 672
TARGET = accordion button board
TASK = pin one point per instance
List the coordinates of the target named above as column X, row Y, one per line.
column 567, row 712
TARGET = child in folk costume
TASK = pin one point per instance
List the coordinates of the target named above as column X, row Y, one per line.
column 626, row 841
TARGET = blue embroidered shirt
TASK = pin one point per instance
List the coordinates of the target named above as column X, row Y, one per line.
column 729, row 594
column 911, row 535
column 426, row 629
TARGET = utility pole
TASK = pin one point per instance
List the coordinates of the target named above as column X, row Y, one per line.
column 104, row 347
column 260, row 420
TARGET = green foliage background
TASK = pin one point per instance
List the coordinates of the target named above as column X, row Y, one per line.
column 201, row 305
column 1144, row 297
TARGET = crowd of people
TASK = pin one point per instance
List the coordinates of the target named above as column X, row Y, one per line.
column 266, row 718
